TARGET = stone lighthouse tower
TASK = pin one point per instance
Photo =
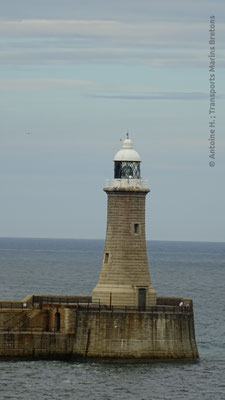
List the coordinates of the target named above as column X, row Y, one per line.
column 124, row 278
column 124, row 319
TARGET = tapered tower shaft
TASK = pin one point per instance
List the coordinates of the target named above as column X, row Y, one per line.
column 124, row 277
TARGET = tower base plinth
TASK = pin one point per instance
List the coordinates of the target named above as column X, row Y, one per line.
column 124, row 295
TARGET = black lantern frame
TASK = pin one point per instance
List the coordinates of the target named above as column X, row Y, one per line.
column 127, row 170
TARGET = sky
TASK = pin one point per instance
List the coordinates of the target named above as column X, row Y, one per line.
column 75, row 76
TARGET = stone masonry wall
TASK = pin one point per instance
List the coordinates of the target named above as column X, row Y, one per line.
column 125, row 265
column 22, row 320
column 97, row 334
column 136, row 335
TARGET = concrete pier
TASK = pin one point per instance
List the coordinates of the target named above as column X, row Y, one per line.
column 60, row 328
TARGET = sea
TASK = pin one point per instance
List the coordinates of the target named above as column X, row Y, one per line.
column 67, row 266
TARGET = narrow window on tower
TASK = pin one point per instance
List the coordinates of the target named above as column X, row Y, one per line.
column 106, row 259
column 136, row 228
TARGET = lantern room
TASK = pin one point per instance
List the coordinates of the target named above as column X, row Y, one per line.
column 127, row 162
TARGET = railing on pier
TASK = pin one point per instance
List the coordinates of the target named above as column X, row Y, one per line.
column 163, row 305
column 64, row 300
column 130, row 309
column 13, row 305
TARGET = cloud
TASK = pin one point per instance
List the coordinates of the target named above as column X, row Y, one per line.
column 155, row 96
column 152, row 33
column 45, row 83
column 126, row 10
column 156, row 43
column 99, row 91
column 123, row 56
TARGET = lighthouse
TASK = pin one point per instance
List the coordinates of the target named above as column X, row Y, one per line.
column 124, row 277
column 123, row 319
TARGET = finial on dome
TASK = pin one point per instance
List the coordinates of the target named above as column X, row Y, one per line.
column 127, row 153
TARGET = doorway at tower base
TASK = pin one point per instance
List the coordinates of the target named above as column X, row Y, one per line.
column 124, row 295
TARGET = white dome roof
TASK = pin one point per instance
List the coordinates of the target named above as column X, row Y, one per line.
column 127, row 153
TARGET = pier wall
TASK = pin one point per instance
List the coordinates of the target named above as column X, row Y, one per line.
column 53, row 332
